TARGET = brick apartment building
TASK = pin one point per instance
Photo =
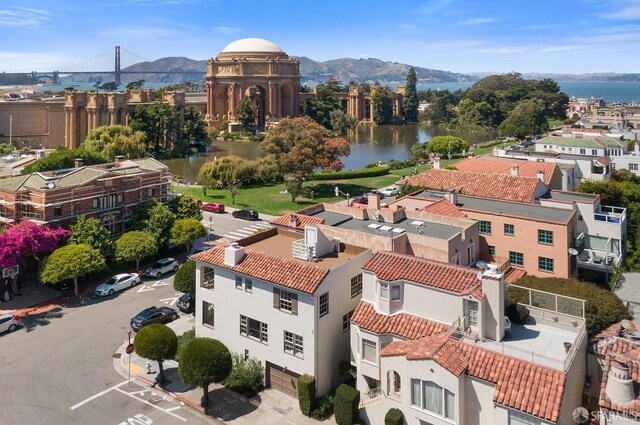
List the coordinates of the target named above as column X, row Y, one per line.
column 108, row 192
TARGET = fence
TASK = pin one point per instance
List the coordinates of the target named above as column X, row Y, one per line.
column 561, row 304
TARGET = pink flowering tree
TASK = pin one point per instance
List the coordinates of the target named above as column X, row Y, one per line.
column 28, row 238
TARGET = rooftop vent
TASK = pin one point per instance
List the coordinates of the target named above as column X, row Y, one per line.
column 233, row 255
column 619, row 384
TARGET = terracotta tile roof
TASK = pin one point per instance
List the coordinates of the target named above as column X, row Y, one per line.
column 611, row 332
column 302, row 220
column 513, row 274
column 392, row 266
column 603, row 161
column 628, row 353
column 532, row 168
column 293, row 274
column 438, row 348
column 444, row 207
column 522, row 385
column 493, row 186
column 403, row 325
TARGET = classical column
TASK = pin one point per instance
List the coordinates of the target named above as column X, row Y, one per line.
column 112, row 116
column 234, row 100
column 296, row 100
column 72, row 128
column 67, row 126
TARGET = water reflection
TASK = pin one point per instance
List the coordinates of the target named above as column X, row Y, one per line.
column 369, row 144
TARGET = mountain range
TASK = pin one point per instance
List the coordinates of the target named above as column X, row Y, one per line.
column 313, row 72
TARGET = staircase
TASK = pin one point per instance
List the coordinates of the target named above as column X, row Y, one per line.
column 301, row 251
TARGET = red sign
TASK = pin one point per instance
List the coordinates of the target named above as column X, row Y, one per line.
column 129, row 349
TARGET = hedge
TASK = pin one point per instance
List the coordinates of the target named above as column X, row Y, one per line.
column 602, row 307
column 345, row 405
column 307, row 394
column 352, row 174
column 394, row 417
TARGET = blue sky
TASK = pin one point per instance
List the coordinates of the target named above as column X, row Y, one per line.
column 572, row 36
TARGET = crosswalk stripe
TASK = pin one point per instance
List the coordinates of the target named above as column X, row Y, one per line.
column 238, row 235
column 243, row 231
column 263, row 225
column 235, row 238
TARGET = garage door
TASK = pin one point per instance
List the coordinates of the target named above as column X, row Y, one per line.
column 282, row 380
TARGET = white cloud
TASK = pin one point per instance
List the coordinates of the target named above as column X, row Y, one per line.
column 625, row 10
column 408, row 27
column 23, row 17
column 478, row 21
column 432, row 6
column 552, row 49
column 227, row 30
column 455, row 44
column 501, row 50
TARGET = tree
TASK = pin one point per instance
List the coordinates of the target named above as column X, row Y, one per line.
column 410, row 100
column 161, row 123
column 135, row 245
column 109, row 86
column 27, row 238
column 325, row 101
column 230, row 172
column 245, row 113
column 65, row 158
column 205, row 361
column 445, row 144
column 528, row 118
column 89, row 231
column 341, row 122
column 185, row 278
column 299, row 146
column 186, row 207
column 187, row 230
column 382, row 104
column 71, row 262
column 154, row 218
column 134, row 85
column 156, row 342
column 113, row 140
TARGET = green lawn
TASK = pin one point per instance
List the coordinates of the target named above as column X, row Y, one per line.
column 267, row 199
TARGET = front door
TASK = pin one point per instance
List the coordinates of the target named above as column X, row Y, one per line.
column 471, row 315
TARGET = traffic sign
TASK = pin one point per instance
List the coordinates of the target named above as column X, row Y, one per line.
column 129, row 349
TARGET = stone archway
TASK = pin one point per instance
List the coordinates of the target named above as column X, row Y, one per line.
column 258, row 96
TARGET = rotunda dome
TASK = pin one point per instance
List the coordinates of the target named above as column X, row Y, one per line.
column 256, row 45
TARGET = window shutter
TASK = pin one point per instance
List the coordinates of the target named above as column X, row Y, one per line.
column 294, row 304
column 276, row 298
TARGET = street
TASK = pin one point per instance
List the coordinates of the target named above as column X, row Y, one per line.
column 224, row 228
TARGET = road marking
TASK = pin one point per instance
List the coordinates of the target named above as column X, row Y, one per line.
column 145, row 288
column 151, row 404
column 233, row 238
column 173, row 408
column 256, row 227
column 160, row 283
column 101, row 393
column 244, row 231
column 172, row 300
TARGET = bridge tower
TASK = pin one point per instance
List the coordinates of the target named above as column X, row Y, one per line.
column 117, row 67
column 56, row 77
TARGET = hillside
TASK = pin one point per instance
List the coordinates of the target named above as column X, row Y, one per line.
column 602, row 77
column 312, row 72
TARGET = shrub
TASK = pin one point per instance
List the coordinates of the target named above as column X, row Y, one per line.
column 183, row 340
column 185, row 278
column 324, row 407
column 602, row 308
column 307, row 394
column 246, row 377
column 352, row 174
column 345, row 405
column 394, row 417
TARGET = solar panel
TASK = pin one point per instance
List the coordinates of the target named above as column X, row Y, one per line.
column 417, row 223
column 385, row 228
column 373, row 226
column 397, row 230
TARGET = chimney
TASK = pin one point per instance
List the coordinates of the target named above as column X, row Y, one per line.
column 373, row 201
column 493, row 286
column 233, row 255
column 293, row 221
column 436, row 163
column 452, row 196
column 120, row 158
column 619, row 387
column 78, row 162
column 541, row 175
column 514, row 170
column 636, row 149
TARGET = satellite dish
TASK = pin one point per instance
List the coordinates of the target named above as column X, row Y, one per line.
column 50, row 185
column 628, row 325
column 573, row 251
column 481, row 265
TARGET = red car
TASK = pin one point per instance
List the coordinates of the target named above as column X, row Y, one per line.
column 213, row 207
column 360, row 200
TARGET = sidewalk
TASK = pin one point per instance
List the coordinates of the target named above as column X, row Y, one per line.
column 270, row 407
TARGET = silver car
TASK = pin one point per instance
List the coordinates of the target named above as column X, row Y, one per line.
column 8, row 322
column 161, row 267
column 118, row 283
column 390, row 191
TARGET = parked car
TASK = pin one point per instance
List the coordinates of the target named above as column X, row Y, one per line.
column 118, row 283
column 360, row 200
column 377, row 192
column 153, row 315
column 390, row 191
column 213, row 207
column 187, row 302
column 245, row 214
column 161, row 267
column 8, row 322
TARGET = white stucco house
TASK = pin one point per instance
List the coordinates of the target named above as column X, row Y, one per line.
column 431, row 339
column 284, row 298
